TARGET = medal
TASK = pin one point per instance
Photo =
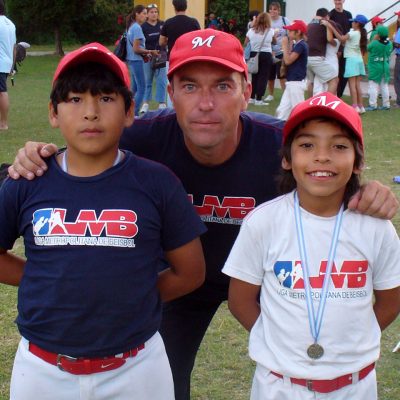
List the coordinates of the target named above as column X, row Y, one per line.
column 315, row 351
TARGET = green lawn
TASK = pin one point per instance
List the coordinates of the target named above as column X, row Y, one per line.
column 223, row 369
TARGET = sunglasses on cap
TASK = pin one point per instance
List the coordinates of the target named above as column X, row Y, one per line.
column 152, row 6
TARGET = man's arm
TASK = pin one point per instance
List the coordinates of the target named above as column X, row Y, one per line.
column 387, row 306
column 186, row 271
column 162, row 41
column 376, row 200
column 29, row 160
column 289, row 57
column 243, row 302
column 11, row 268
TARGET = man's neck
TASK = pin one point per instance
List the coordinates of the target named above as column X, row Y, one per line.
column 180, row 12
column 339, row 9
column 217, row 155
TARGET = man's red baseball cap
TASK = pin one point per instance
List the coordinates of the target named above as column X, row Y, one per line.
column 207, row 45
column 97, row 53
column 324, row 105
column 377, row 20
column 297, row 25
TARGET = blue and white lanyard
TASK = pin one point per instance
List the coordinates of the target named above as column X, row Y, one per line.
column 315, row 323
column 64, row 165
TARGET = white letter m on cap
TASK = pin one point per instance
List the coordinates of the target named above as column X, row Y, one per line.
column 199, row 42
column 321, row 101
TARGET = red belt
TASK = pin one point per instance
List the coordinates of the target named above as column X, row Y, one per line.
column 83, row 366
column 330, row 385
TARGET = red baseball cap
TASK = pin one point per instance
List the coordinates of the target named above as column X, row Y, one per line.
column 324, row 105
column 94, row 52
column 377, row 20
column 208, row 45
column 397, row 13
column 297, row 25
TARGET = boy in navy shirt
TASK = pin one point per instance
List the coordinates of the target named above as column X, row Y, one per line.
column 96, row 230
column 295, row 59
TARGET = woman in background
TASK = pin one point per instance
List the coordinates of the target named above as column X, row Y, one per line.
column 151, row 30
column 137, row 53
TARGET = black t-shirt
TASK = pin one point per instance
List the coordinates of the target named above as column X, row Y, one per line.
column 342, row 19
column 152, row 34
column 224, row 194
column 177, row 26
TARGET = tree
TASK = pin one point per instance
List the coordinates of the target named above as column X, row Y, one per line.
column 72, row 20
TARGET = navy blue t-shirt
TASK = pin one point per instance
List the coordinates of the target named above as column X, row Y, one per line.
column 152, row 34
column 94, row 247
column 224, row 194
column 297, row 71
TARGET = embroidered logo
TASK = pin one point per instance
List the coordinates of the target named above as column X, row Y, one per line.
column 199, row 42
column 321, row 101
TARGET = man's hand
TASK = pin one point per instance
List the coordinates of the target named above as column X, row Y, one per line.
column 29, row 162
column 376, row 200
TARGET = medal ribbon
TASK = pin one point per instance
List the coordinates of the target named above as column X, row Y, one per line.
column 64, row 165
column 315, row 323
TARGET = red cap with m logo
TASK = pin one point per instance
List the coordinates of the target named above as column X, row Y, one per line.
column 324, row 105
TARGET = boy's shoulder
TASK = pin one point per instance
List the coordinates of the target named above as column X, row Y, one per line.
column 272, row 209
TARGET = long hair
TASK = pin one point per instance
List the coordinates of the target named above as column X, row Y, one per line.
column 262, row 22
column 286, row 181
column 131, row 18
column 363, row 39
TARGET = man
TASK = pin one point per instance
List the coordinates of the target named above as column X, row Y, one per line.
column 7, row 57
column 227, row 160
column 317, row 39
column 342, row 18
column 177, row 26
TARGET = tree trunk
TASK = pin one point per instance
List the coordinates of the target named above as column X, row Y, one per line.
column 57, row 37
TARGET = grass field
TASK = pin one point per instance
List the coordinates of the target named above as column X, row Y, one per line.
column 223, row 369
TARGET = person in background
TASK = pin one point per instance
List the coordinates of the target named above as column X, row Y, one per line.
column 295, row 52
column 277, row 23
column 355, row 47
column 7, row 58
column 252, row 19
column 396, row 77
column 342, row 17
column 151, row 30
column 137, row 54
column 375, row 22
column 318, row 38
column 379, row 51
column 212, row 21
column 259, row 35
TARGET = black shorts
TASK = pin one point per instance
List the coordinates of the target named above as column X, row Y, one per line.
column 275, row 71
column 3, row 81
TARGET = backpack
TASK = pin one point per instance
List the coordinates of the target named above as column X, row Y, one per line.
column 120, row 49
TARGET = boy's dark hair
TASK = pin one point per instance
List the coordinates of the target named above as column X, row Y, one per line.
column 286, row 181
column 92, row 77
column 322, row 12
column 179, row 5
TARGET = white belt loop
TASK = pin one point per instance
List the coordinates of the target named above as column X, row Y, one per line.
column 355, row 377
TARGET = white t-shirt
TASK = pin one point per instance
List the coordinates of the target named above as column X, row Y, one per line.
column 256, row 39
column 266, row 253
column 277, row 25
column 7, row 42
column 352, row 45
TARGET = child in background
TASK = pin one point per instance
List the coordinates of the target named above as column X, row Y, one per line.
column 379, row 51
column 354, row 49
column 329, row 278
column 295, row 53
column 375, row 22
column 96, row 231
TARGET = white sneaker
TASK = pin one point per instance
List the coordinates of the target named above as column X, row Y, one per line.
column 362, row 110
column 261, row 103
column 144, row 108
column 161, row 106
column 269, row 98
column 251, row 101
